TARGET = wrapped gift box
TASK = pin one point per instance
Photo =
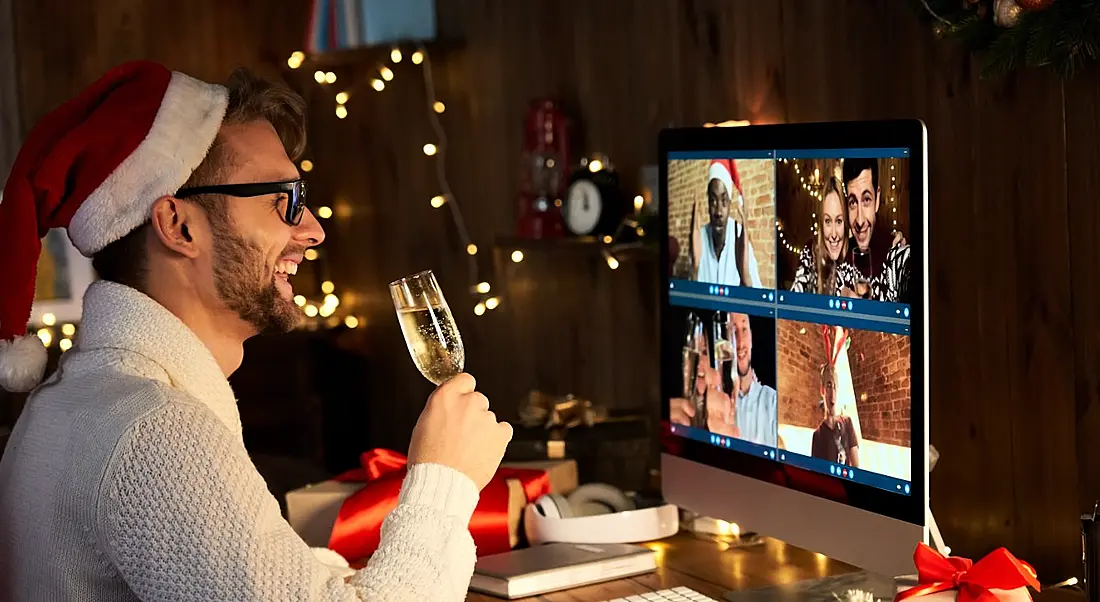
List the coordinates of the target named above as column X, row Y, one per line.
column 312, row 510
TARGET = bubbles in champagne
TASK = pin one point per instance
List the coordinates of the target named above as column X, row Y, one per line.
column 433, row 341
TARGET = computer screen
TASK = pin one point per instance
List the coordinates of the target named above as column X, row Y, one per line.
column 792, row 328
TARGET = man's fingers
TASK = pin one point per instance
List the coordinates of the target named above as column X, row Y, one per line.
column 478, row 400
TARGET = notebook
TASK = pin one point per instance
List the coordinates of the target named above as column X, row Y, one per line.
column 556, row 566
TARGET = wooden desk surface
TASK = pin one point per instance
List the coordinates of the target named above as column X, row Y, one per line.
column 713, row 569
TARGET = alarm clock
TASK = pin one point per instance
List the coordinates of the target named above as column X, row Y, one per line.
column 594, row 204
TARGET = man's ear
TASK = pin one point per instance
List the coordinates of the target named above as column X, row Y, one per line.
column 175, row 223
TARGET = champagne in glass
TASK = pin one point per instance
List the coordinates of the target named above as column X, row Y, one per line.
column 428, row 326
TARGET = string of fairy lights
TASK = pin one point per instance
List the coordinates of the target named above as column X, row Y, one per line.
column 484, row 297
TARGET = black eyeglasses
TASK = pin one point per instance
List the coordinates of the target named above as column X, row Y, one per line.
column 294, row 190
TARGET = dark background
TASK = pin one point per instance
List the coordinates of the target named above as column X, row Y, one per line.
column 1014, row 222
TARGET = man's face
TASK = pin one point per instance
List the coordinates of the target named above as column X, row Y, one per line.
column 863, row 201
column 741, row 327
column 718, row 204
column 255, row 251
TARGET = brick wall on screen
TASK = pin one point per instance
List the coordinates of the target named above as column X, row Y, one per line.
column 801, row 354
column 687, row 185
column 881, row 371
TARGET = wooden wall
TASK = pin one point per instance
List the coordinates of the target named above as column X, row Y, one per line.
column 1015, row 226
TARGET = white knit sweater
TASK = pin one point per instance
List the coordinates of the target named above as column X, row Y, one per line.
column 126, row 478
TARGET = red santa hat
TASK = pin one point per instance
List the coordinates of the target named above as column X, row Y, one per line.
column 94, row 166
column 725, row 171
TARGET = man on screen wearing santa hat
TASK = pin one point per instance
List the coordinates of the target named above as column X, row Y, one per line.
column 126, row 476
column 721, row 250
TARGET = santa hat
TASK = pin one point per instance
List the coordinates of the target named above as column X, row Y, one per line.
column 94, row 166
column 725, row 171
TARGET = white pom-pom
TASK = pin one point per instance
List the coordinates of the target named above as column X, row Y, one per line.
column 22, row 363
column 334, row 561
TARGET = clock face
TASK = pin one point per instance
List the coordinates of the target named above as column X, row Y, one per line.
column 583, row 207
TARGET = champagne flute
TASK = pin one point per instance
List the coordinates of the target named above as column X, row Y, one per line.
column 428, row 326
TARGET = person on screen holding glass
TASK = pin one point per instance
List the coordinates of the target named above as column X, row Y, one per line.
column 835, row 439
column 721, row 251
column 126, row 476
column 882, row 259
column 756, row 407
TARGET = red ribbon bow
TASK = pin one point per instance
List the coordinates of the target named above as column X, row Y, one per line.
column 999, row 570
column 358, row 525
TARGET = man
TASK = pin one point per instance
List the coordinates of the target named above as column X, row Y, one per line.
column 757, row 405
column 126, row 477
column 835, row 439
column 723, row 254
column 882, row 259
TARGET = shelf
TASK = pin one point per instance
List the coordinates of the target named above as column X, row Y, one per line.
column 576, row 244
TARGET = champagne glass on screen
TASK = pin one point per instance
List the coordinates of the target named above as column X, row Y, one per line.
column 428, row 327
column 693, row 351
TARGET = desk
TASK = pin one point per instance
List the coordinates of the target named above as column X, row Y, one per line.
column 712, row 569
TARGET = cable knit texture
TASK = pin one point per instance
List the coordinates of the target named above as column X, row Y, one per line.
column 126, row 478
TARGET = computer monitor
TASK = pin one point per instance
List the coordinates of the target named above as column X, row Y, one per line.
column 794, row 345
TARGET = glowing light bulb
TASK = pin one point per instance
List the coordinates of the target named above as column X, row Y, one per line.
column 640, row 230
column 331, row 300
column 311, row 310
column 430, row 149
column 326, row 310
column 438, row 200
column 471, row 249
column 341, row 111
column 351, row 322
column 387, row 73
column 319, row 76
column 595, row 165
column 417, row 57
column 327, row 287
column 49, row 319
column 307, row 165
column 330, row 78
column 324, row 212
column 638, row 202
column 311, row 254
column 517, row 256
column 68, row 330
column 612, row 262
column 65, row 344
column 479, row 309
column 395, row 55
column 439, row 107
column 492, row 303
column 45, row 335
column 294, row 61
column 378, row 84
column 342, row 98
column 299, row 300
column 607, row 239
column 483, row 287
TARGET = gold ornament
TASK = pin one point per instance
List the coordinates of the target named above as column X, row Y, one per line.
column 1006, row 13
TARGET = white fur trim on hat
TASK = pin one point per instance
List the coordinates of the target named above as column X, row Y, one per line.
column 22, row 363
column 183, row 131
column 721, row 173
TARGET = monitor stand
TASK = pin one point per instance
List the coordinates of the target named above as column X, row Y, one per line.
column 841, row 587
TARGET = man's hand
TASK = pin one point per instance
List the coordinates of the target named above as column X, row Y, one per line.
column 680, row 411
column 457, row 429
column 899, row 240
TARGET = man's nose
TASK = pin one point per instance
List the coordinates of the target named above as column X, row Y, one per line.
column 309, row 231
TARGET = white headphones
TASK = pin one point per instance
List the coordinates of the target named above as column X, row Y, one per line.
column 596, row 513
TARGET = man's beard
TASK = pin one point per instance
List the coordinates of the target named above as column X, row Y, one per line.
column 245, row 285
column 718, row 236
